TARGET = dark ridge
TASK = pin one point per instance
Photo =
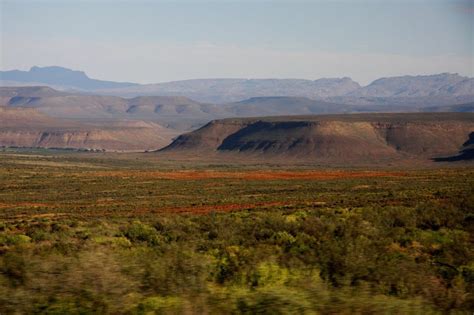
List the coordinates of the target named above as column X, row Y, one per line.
column 238, row 141
column 466, row 154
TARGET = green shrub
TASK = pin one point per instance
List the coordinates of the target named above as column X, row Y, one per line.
column 160, row 305
column 7, row 239
column 140, row 232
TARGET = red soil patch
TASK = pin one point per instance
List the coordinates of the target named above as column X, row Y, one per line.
column 205, row 209
column 248, row 175
column 23, row 204
column 198, row 210
column 221, row 208
column 35, row 216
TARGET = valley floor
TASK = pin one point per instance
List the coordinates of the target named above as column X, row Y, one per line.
column 110, row 234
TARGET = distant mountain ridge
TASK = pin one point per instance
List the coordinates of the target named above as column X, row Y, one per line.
column 234, row 90
column 59, row 76
column 415, row 86
column 182, row 113
column 35, row 116
column 445, row 85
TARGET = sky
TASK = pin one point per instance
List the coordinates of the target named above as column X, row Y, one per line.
column 159, row 41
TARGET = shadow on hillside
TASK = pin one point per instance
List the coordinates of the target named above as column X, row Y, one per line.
column 466, row 154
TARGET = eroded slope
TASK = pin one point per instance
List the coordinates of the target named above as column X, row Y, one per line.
column 333, row 137
column 21, row 127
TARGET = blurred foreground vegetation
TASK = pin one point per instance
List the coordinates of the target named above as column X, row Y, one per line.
column 72, row 242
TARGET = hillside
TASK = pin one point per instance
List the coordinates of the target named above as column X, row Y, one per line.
column 281, row 105
column 233, row 90
column 465, row 154
column 444, row 84
column 20, row 127
column 403, row 102
column 179, row 112
column 174, row 111
column 185, row 114
column 460, row 108
column 349, row 138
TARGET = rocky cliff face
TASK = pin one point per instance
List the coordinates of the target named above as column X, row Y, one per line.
column 27, row 128
column 343, row 137
column 111, row 140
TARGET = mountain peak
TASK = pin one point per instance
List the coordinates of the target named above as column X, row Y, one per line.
column 442, row 84
column 58, row 72
column 60, row 76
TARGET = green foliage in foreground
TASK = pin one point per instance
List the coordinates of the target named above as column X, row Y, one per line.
column 347, row 246
column 392, row 260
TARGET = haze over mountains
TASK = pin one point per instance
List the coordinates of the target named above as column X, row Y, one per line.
column 88, row 113
column 182, row 113
column 58, row 77
column 445, row 84
column 233, row 90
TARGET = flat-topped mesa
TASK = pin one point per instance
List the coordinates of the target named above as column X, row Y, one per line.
column 333, row 137
column 60, row 76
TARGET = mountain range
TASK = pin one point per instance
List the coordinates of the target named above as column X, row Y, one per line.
column 182, row 113
column 94, row 114
column 445, row 85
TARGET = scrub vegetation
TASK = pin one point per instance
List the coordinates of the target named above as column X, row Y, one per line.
column 83, row 234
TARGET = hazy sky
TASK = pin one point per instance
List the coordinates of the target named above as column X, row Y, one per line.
column 156, row 41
